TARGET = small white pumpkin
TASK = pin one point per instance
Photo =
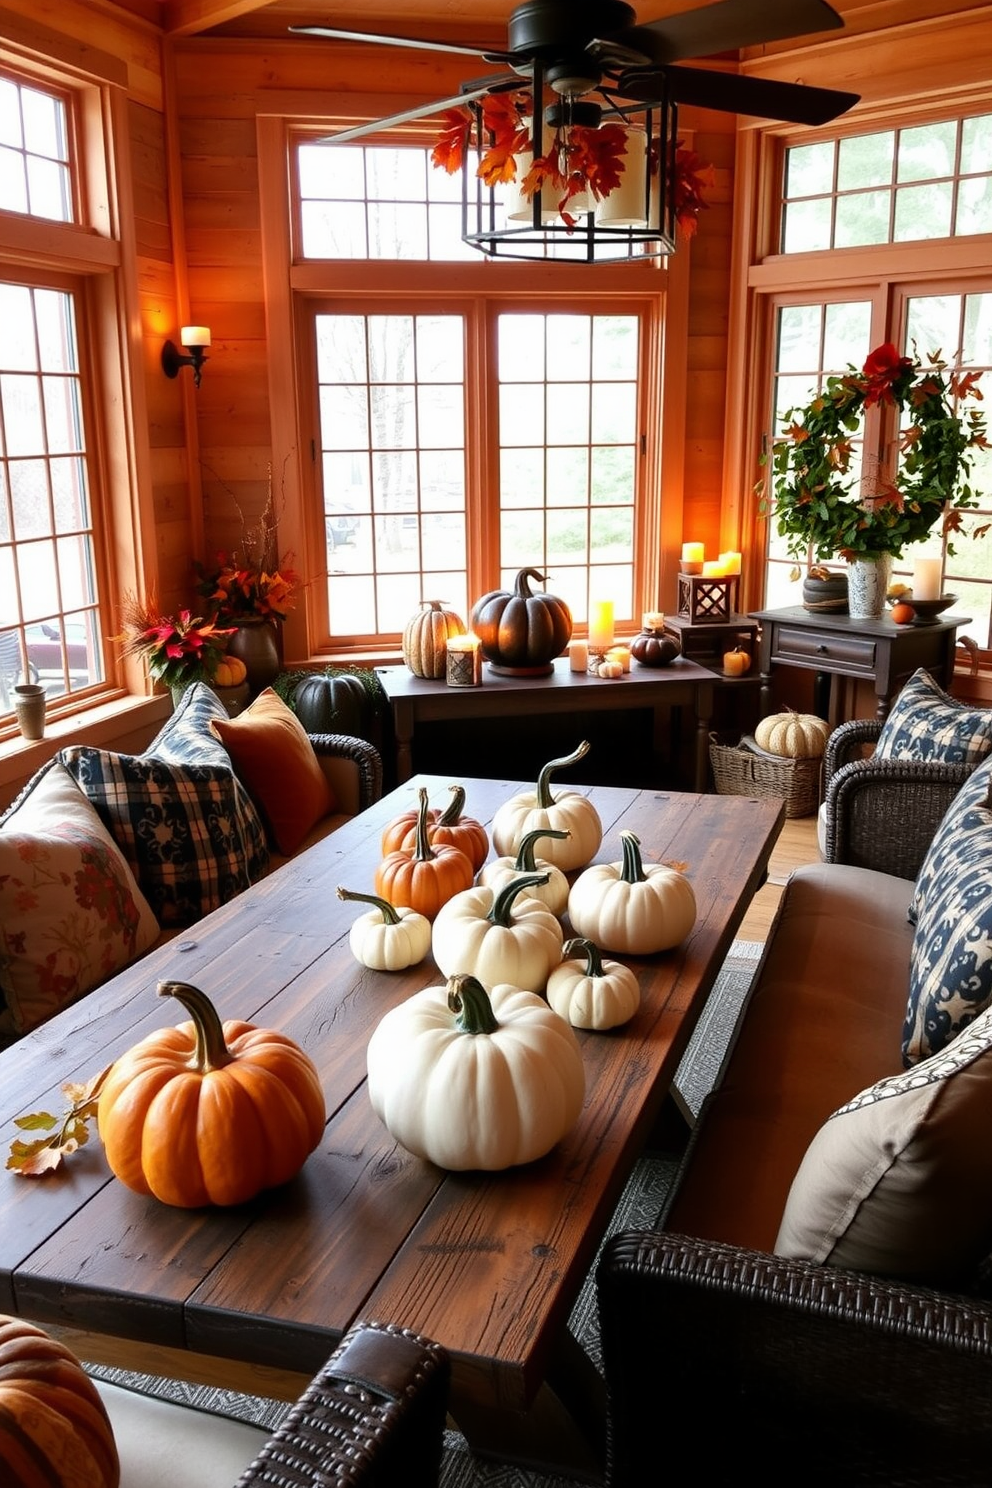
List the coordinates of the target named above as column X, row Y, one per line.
column 387, row 938
column 590, row 992
column 470, row 1080
column 629, row 908
column 500, row 871
column 498, row 935
column 569, row 812
column 793, row 735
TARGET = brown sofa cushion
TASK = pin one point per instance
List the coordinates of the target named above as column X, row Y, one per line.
column 823, row 1022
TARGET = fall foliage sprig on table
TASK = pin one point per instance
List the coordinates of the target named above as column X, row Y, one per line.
column 594, row 157
column 65, row 1133
column 176, row 649
column 819, row 504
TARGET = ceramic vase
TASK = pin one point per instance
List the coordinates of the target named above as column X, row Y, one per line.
column 29, row 708
column 867, row 583
column 256, row 644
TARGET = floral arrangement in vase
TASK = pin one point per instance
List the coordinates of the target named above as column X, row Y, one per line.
column 820, row 506
column 176, row 649
column 251, row 583
column 579, row 159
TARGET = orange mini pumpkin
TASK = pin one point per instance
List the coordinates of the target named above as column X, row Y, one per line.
column 209, row 1113
column 54, row 1428
column 449, row 828
column 423, row 877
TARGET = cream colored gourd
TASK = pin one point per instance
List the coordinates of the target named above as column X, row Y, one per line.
column 387, row 938
column 592, row 993
column 498, row 935
column 630, row 908
column 470, row 1080
column 792, row 735
column 501, row 871
column 425, row 639
column 568, row 812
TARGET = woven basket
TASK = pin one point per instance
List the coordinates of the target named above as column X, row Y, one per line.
column 745, row 770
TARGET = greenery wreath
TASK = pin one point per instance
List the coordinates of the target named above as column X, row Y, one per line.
column 816, row 504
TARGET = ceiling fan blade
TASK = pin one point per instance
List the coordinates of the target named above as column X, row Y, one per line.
column 334, row 34
column 424, row 110
column 762, row 98
column 726, row 27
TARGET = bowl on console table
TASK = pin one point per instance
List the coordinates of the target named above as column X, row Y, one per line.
column 928, row 610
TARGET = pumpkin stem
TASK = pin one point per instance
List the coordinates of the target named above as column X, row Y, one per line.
column 435, row 604
column 424, row 853
column 525, row 861
column 210, row 1052
column 544, row 796
column 633, row 870
column 580, row 946
column 502, row 903
column 521, row 588
column 452, row 813
column 468, row 998
column 387, row 910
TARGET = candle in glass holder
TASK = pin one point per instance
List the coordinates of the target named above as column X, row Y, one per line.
column 926, row 579
column 601, row 626
column 463, row 662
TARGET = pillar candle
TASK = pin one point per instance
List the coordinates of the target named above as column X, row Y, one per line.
column 731, row 562
column 578, row 656
column 693, row 552
column 713, row 569
column 620, row 654
column 601, row 626
column 926, row 578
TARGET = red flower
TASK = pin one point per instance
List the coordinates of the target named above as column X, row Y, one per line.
column 883, row 371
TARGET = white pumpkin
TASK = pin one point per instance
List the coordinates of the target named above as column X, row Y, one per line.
column 569, row 812
column 470, row 1080
column 793, row 735
column 498, row 935
column 630, row 908
column 590, row 992
column 501, row 871
column 387, row 938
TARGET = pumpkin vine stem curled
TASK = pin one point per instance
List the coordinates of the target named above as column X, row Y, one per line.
column 210, row 1051
column 544, row 796
column 633, row 869
column 580, row 946
column 469, row 1001
column 387, row 910
column 502, row 905
column 526, row 861
column 452, row 813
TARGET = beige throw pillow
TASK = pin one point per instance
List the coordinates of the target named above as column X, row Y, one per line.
column 899, row 1181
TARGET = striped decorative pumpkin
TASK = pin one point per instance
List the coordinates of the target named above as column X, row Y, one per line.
column 54, row 1430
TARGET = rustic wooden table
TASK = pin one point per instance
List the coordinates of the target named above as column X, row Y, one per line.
column 489, row 1264
column 684, row 683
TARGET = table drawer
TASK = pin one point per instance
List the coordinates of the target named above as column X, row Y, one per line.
column 821, row 649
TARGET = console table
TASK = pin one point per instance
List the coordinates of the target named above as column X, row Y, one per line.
column 420, row 700
column 839, row 645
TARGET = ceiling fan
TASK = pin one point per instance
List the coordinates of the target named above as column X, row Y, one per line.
column 583, row 47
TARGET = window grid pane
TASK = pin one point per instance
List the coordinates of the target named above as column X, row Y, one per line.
column 49, row 621
column 370, row 202
column 904, row 185
column 34, row 145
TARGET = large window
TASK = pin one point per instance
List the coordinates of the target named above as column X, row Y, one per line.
column 931, row 184
column 477, row 426
column 51, row 628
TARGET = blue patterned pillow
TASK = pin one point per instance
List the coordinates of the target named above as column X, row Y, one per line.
column 178, row 826
column 186, row 739
column 950, row 979
column 924, row 723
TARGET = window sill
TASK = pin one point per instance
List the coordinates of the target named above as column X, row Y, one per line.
column 126, row 722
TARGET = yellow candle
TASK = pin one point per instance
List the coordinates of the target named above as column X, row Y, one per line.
column 601, row 626
column 731, row 562
column 692, row 552
column 713, row 569
column 620, row 654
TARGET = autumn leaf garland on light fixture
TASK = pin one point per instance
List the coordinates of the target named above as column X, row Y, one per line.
column 579, row 159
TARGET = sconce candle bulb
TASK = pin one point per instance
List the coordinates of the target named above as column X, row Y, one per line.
column 196, row 339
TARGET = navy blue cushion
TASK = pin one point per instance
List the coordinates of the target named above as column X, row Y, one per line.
column 951, row 962
column 925, row 723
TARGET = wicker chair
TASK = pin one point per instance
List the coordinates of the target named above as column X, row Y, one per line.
column 866, row 799
column 372, row 1418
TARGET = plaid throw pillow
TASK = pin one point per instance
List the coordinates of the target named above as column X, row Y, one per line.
column 187, row 739
column 924, row 723
column 178, row 826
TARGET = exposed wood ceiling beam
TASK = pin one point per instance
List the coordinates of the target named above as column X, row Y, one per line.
column 188, row 17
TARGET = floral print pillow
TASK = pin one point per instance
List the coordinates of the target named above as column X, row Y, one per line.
column 71, row 913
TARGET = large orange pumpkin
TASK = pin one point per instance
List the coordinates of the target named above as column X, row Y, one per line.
column 209, row 1113
column 54, row 1430
column 423, row 877
column 448, row 827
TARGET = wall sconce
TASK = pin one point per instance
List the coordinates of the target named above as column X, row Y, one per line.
column 197, row 339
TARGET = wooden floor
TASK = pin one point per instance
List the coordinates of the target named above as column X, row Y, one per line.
column 797, row 845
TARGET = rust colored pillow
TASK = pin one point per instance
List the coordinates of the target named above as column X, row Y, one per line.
column 275, row 761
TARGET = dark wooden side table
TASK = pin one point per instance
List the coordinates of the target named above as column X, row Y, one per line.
column 838, row 645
